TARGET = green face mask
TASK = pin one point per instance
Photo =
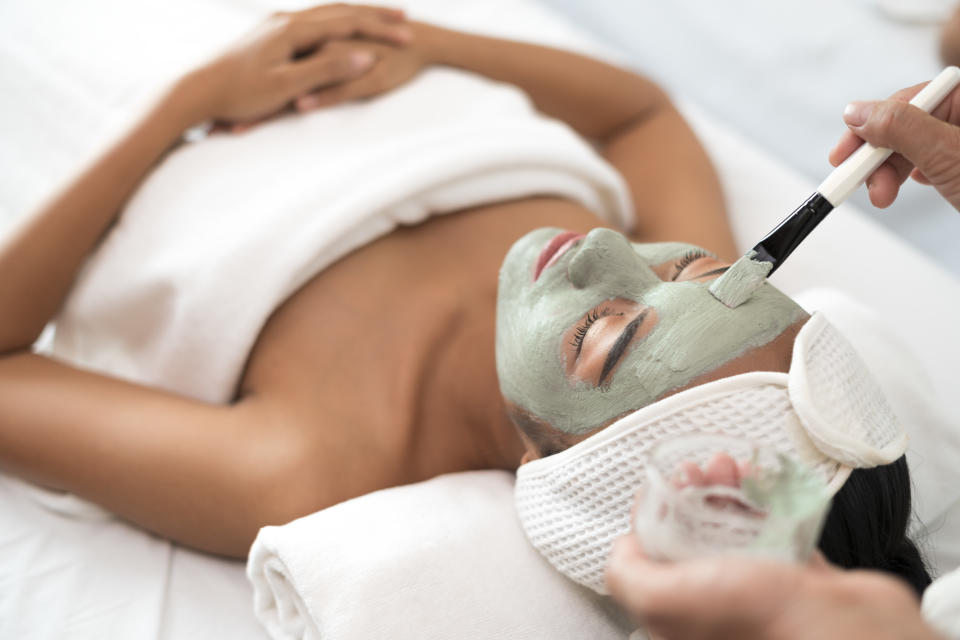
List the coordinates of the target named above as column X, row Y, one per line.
column 680, row 330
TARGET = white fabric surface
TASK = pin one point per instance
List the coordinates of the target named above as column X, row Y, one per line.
column 71, row 71
column 941, row 605
column 464, row 570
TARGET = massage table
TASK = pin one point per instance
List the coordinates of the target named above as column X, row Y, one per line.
column 445, row 558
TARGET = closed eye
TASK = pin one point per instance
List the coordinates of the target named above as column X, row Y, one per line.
column 620, row 346
column 698, row 267
column 584, row 327
column 595, row 344
column 688, row 258
column 715, row 272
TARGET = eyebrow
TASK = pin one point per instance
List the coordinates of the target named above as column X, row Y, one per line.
column 715, row 272
column 616, row 351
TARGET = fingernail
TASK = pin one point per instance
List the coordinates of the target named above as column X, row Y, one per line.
column 308, row 102
column 855, row 114
column 403, row 34
column 361, row 59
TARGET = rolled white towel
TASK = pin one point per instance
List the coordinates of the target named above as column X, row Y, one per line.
column 941, row 604
column 442, row 558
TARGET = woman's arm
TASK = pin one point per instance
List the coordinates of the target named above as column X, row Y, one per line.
column 206, row 476
column 675, row 189
column 40, row 260
column 258, row 76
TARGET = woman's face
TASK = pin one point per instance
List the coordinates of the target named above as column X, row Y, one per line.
column 592, row 327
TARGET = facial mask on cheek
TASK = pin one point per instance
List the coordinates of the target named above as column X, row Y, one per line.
column 695, row 335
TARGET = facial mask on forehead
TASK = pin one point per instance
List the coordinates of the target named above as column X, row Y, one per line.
column 694, row 332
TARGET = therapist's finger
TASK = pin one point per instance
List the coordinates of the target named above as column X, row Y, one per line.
column 819, row 562
column 628, row 577
column 920, row 139
column 847, row 144
column 850, row 142
column 660, row 591
column 919, row 176
column 883, row 185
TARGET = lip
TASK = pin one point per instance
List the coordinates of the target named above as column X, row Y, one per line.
column 554, row 249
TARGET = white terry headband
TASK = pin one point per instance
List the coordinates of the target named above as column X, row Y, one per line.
column 827, row 412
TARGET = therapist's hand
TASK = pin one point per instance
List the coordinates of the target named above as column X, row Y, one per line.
column 292, row 54
column 927, row 146
column 742, row 599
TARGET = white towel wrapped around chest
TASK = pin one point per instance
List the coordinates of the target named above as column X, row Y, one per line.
column 226, row 229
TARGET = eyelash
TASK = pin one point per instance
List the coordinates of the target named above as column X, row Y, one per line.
column 689, row 258
column 592, row 317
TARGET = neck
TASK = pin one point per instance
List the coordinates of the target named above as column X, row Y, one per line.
column 464, row 422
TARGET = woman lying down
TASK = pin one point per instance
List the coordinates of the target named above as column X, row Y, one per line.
column 388, row 355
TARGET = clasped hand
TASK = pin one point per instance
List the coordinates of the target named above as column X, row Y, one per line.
column 308, row 59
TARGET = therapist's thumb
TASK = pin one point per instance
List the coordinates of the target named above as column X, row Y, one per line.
column 931, row 144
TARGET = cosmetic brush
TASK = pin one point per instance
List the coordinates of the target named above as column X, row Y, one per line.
column 735, row 287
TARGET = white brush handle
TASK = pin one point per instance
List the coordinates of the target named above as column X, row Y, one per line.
column 845, row 179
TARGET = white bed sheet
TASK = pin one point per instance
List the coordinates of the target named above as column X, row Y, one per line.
column 83, row 575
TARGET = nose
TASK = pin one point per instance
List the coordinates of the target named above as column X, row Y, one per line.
column 605, row 255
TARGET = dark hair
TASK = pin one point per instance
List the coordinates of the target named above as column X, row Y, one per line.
column 867, row 525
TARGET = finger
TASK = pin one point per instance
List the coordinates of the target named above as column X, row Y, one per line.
column 883, row 185
column 243, row 127
column 305, row 32
column 388, row 14
column 689, row 474
column 722, row 470
column 625, row 569
column 819, row 562
column 366, row 86
column 900, row 165
column 326, row 69
column 850, row 142
column 847, row 144
column 918, row 176
column 627, row 550
column 650, row 589
column 924, row 140
column 907, row 94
